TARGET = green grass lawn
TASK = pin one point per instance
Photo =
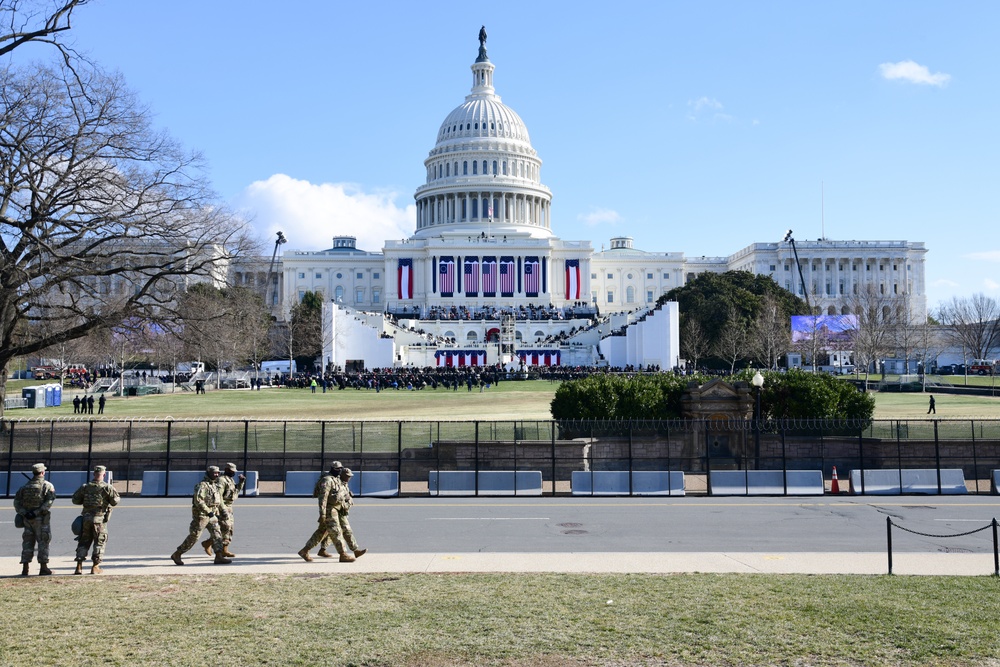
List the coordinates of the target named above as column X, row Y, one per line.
column 506, row 401
column 521, row 401
column 493, row 619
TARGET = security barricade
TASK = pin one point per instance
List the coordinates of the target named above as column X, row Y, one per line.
column 182, row 482
column 372, row 483
column 66, row 482
column 767, row 483
column 624, row 483
column 485, row 483
column 930, row 481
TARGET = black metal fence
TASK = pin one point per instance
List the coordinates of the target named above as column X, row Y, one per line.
column 556, row 448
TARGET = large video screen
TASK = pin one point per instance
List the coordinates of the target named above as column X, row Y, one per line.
column 827, row 328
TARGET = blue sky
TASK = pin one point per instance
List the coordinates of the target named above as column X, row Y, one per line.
column 695, row 127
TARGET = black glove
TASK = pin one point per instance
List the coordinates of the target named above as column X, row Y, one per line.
column 211, row 515
column 29, row 515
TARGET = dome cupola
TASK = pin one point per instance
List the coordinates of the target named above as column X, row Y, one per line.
column 483, row 173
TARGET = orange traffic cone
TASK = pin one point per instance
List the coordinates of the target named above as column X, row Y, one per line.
column 835, row 484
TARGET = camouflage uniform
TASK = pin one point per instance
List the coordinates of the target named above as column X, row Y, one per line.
column 97, row 498
column 33, row 502
column 344, row 508
column 230, row 490
column 329, row 491
column 205, row 507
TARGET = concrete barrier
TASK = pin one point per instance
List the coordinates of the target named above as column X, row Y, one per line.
column 65, row 481
column 490, row 483
column 365, row 483
column 182, row 482
column 616, row 483
column 917, row 481
column 766, row 483
column 300, row 482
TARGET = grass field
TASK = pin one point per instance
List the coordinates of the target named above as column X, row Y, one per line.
column 491, row 619
column 528, row 400
column 508, row 400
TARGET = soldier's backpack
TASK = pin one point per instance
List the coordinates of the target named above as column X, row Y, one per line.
column 32, row 496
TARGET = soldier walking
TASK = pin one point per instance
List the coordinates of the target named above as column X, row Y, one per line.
column 98, row 498
column 205, row 505
column 327, row 491
column 33, row 504
column 227, row 520
column 344, row 507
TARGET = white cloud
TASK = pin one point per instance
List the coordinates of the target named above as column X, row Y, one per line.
column 703, row 103
column 600, row 216
column 707, row 107
column 311, row 214
column 912, row 72
column 991, row 285
column 988, row 255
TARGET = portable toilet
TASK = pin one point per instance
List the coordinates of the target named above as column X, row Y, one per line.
column 57, row 394
column 30, row 395
column 50, row 393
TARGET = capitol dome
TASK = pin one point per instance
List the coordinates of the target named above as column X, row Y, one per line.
column 483, row 176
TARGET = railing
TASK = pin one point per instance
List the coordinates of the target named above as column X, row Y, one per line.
column 556, row 448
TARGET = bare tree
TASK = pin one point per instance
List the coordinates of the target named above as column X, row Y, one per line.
column 770, row 334
column 694, row 343
column 733, row 341
column 24, row 21
column 973, row 323
column 876, row 323
column 102, row 219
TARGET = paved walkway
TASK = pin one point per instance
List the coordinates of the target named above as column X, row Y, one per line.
column 198, row 563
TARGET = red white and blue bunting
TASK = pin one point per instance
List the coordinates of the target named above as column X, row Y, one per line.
column 460, row 358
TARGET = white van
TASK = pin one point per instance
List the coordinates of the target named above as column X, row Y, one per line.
column 285, row 367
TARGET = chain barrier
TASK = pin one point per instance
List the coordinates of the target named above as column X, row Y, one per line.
column 992, row 524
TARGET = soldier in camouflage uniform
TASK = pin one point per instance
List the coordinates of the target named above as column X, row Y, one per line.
column 343, row 508
column 227, row 520
column 97, row 498
column 205, row 505
column 328, row 490
column 33, row 502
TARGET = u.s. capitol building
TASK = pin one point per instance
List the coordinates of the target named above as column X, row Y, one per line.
column 483, row 279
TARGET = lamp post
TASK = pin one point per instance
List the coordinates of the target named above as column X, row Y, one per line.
column 270, row 270
column 758, row 382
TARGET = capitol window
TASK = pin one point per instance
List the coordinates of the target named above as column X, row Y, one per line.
column 375, row 275
column 465, row 168
column 494, row 167
column 475, row 166
column 649, row 276
column 319, row 276
column 302, row 276
column 359, row 275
